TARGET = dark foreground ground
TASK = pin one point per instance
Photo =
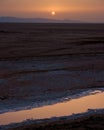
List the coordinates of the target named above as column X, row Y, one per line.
column 93, row 122
column 30, row 40
column 40, row 62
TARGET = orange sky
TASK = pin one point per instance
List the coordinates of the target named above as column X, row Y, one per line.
column 86, row 10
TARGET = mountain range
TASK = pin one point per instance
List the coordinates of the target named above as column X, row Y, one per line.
column 34, row 20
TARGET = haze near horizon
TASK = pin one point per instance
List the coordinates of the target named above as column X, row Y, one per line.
column 89, row 11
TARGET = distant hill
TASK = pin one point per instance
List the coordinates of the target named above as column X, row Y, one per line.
column 34, row 20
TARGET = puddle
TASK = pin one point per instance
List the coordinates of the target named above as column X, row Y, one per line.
column 67, row 108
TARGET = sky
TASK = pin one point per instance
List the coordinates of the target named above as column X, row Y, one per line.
column 83, row 10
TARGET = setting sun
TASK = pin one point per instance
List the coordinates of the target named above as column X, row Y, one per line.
column 53, row 13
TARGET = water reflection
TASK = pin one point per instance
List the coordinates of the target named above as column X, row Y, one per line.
column 79, row 105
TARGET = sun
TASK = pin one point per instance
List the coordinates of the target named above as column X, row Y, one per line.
column 53, row 13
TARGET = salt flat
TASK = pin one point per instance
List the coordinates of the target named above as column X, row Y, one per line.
column 43, row 62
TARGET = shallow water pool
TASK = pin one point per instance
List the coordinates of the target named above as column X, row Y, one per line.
column 66, row 108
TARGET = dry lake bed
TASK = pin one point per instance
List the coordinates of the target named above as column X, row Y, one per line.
column 49, row 70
